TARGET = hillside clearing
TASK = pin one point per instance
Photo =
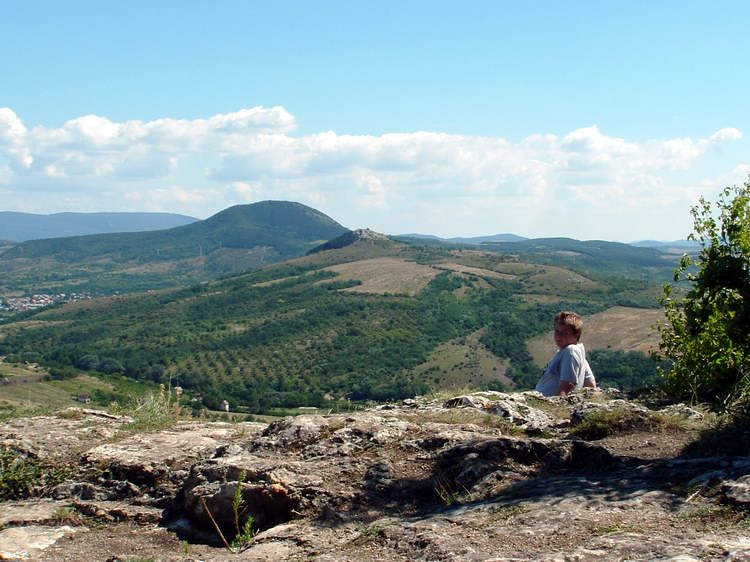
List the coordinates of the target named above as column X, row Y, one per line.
column 481, row 272
column 386, row 276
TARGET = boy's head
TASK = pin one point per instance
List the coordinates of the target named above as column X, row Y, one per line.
column 568, row 328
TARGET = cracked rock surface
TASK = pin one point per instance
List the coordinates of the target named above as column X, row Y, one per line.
column 482, row 477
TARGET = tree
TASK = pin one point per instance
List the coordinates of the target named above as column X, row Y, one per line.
column 110, row 366
column 707, row 336
column 88, row 363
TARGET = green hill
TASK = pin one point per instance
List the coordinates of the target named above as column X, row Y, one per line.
column 591, row 257
column 286, row 228
column 237, row 239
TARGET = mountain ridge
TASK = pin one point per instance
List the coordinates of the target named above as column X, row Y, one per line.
column 240, row 226
column 21, row 227
column 236, row 239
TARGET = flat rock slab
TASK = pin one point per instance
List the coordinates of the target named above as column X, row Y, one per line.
column 60, row 436
column 26, row 543
column 23, row 513
column 173, row 448
column 118, row 511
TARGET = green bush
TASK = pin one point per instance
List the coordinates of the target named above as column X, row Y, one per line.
column 707, row 337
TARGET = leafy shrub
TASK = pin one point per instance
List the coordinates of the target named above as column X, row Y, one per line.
column 707, row 337
column 62, row 373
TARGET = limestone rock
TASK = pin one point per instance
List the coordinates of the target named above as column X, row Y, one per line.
column 737, row 491
column 424, row 480
column 25, row 543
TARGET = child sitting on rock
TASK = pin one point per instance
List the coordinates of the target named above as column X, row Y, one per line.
column 568, row 370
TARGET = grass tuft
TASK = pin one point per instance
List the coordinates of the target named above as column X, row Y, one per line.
column 152, row 412
column 23, row 476
column 603, row 423
column 13, row 412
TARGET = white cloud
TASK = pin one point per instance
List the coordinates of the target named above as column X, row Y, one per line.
column 727, row 134
column 450, row 184
column 12, row 142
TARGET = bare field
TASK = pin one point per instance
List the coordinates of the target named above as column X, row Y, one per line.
column 475, row 271
column 552, row 278
column 386, row 276
column 618, row 328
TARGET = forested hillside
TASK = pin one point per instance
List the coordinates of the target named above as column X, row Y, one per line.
column 237, row 239
column 359, row 322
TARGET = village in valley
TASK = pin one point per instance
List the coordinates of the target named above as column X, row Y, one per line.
column 37, row 301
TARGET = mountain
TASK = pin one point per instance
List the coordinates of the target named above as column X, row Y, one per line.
column 21, row 227
column 236, row 239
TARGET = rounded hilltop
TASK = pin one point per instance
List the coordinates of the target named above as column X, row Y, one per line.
column 367, row 234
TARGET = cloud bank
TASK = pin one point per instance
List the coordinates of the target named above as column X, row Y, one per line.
column 585, row 184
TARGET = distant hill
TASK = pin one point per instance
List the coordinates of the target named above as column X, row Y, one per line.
column 237, row 239
column 675, row 247
column 20, row 227
column 462, row 240
column 597, row 257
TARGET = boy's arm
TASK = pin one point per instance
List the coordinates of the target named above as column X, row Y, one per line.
column 566, row 387
column 589, row 381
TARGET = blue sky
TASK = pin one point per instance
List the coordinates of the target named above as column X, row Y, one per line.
column 584, row 119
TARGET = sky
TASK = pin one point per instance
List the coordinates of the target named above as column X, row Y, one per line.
column 584, row 119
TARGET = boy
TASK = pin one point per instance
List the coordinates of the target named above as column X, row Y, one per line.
column 568, row 369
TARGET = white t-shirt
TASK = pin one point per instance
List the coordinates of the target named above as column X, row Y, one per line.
column 569, row 364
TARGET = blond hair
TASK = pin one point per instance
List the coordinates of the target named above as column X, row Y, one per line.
column 570, row 320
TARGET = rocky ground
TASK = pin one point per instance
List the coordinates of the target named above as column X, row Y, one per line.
column 476, row 478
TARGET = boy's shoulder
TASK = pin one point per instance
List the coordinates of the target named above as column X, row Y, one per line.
column 575, row 350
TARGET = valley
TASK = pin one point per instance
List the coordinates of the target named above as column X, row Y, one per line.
column 355, row 320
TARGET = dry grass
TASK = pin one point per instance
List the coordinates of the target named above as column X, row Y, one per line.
column 481, row 272
column 386, row 276
column 603, row 423
column 623, row 328
column 618, row 328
